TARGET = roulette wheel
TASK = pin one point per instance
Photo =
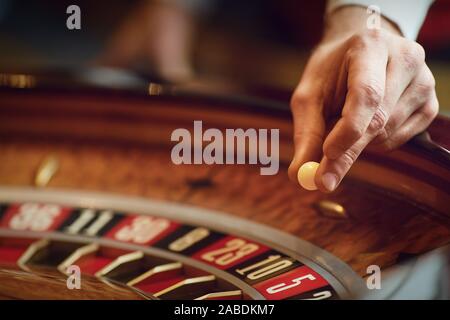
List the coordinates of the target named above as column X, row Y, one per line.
column 88, row 186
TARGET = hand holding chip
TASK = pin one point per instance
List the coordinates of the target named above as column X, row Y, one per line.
column 360, row 88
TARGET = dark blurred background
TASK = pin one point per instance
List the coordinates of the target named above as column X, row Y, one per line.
column 254, row 41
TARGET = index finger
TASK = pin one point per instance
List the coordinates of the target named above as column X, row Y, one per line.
column 366, row 79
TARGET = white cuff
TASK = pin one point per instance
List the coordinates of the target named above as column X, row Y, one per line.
column 406, row 14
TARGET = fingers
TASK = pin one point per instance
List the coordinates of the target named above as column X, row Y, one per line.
column 417, row 118
column 389, row 94
column 309, row 130
column 406, row 73
column 378, row 113
column 414, row 125
column 371, row 95
column 331, row 171
column 367, row 61
column 417, row 94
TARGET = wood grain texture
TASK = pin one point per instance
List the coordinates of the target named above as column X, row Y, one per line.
column 51, row 285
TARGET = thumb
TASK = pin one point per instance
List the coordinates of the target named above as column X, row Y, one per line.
column 309, row 131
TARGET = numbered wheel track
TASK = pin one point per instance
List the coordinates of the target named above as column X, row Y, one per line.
column 159, row 256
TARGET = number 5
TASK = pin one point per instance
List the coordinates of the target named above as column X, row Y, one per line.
column 282, row 286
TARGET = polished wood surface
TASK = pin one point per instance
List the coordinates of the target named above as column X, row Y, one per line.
column 121, row 144
column 51, row 285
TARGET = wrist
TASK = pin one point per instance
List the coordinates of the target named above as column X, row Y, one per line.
column 349, row 20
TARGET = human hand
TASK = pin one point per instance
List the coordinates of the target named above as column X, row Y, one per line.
column 157, row 34
column 360, row 88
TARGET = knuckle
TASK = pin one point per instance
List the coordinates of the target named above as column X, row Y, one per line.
column 429, row 111
column 387, row 145
column 298, row 100
column 374, row 34
column 427, row 86
column 390, row 127
column 384, row 143
column 382, row 136
column 435, row 108
column 358, row 41
column 364, row 39
column 412, row 56
column 419, row 51
column 351, row 54
column 428, row 76
column 425, row 89
column 378, row 121
column 355, row 130
column 410, row 61
column 349, row 157
column 371, row 94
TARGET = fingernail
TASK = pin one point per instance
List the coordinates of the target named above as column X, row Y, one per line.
column 329, row 181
